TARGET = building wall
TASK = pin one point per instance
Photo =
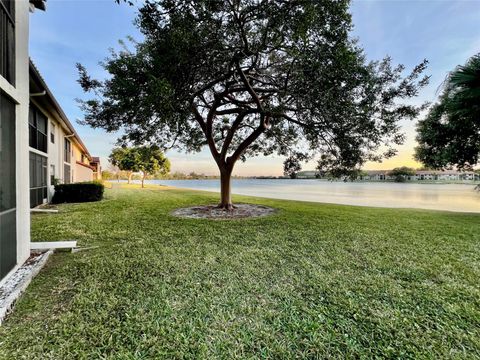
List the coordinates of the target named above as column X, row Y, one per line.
column 56, row 153
column 22, row 76
column 82, row 171
column 52, row 152
column 20, row 95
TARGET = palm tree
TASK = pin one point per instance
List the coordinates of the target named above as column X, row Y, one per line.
column 464, row 87
column 450, row 133
column 465, row 79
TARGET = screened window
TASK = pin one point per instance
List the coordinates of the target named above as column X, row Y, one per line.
column 7, row 153
column 52, row 174
column 67, row 151
column 7, row 40
column 38, row 179
column 8, row 245
column 37, row 123
column 66, row 174
column 52, row 133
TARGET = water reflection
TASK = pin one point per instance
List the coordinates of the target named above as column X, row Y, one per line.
column 452, row 197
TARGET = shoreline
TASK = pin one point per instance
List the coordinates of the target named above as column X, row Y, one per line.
column 413, row 182
column 358, row 203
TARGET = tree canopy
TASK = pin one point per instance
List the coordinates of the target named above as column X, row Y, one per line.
column 401, row 173
column 450, row 134
column 291, row 167
column 151, row 160
column 125, row 160
column 251, row 77
column 146, row 159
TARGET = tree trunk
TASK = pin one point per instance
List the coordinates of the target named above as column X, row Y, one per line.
column 225, row 190
column 129, row 177
column 143, row 179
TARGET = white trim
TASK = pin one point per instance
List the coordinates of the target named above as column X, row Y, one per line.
column 10, row 90
column 38, row 152
column 51, row 245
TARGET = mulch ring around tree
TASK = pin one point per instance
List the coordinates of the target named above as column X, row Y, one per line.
column 241, row 211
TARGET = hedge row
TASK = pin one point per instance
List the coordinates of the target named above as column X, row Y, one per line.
column 78, row 192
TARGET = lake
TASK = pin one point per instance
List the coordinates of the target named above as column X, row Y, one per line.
column 451, row 197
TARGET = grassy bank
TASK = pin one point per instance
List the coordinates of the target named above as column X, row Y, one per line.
column 312, row 281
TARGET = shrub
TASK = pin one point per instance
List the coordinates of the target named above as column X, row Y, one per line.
column 78, row 192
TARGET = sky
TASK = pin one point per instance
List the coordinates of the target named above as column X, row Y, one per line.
column 444, row 32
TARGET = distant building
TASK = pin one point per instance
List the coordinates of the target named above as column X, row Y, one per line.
column 307, row 174
column 97, row 169
column 421, row 175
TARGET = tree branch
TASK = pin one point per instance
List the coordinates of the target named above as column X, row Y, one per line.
column 264, row 120
column 249, row 87
column 232, row 130
column 207, row 130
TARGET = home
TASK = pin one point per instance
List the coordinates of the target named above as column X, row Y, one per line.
column 307, row 174
column 445, row 175
column 38, row 144
column 14, row 105
column 421, row 175
column 375, row 175
column 56, row 154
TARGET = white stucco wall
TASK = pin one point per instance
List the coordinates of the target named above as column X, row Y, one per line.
column 22, row 80
column 23, row 182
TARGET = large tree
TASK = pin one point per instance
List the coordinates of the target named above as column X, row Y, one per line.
column 125, row 159
column 151, row 160
column 148, row 160
column 450, row 133
column 252, row 77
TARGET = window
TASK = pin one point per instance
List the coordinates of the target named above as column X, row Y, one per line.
column 52, row 133
column 37, row 123
column 7, row 40
column 52, row 174
column 66, row 174
column 83, row 158
column 8, row 215
column 7, row 154
column 67, row 151
column 38, row 179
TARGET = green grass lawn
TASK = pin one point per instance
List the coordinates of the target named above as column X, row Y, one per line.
column 311, row 281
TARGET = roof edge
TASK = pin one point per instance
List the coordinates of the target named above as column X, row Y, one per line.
column 39, row 4
column 58, row 108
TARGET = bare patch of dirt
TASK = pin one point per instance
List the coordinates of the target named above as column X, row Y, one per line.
column 241, row 211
